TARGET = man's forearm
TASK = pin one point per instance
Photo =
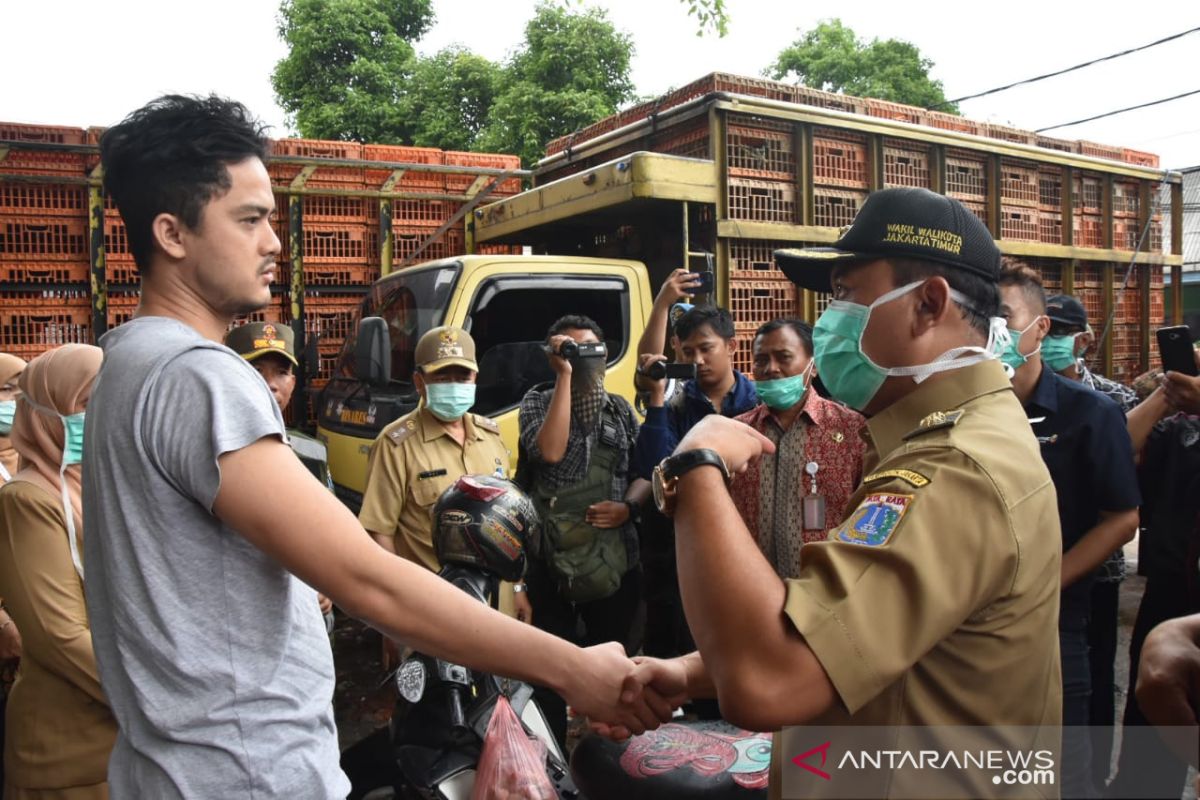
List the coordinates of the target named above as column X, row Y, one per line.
column 556, row 427
column 386, row 542
column 1141, row 420
column 1097, row 545
column 654, row 337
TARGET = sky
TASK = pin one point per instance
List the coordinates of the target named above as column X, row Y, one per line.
column 89, row 63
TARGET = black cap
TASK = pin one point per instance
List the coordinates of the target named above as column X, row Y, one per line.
column 900, row 223
column 1066, row 310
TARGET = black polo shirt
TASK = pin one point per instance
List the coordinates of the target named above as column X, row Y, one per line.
column 1086, row 447
column 1170, row 474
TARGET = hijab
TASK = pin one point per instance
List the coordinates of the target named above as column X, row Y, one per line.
column 10, row 367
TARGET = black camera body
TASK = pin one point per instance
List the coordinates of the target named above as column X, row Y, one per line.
column 667, row 370
column 573, row 350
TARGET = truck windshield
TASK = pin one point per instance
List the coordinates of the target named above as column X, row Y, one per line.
column 411, row 302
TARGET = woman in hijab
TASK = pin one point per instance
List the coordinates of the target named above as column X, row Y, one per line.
column 11, row 368
column 60, row 729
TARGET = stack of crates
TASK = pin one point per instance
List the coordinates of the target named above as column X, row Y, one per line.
column 1087, row 220
column 966, row 180
column 841, row 176
column 1049, row 207
column 1020, row 196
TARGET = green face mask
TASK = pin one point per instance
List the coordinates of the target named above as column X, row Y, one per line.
column 1058, row 352
column 449, row 401
column 1012, row 355
column 783, row 393
column 72, row 454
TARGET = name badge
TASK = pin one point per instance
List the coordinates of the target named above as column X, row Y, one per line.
column 433, row 473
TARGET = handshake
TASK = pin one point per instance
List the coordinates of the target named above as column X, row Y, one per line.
column 635, row 695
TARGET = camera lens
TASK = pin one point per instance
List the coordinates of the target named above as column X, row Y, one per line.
column 656, row 371
column 568, row 350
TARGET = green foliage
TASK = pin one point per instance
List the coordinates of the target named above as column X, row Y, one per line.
column 711, row 14
column 348, row 63
column 833, row 58
column 449, row 98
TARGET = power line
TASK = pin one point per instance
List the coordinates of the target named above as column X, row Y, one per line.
column 1118, row 111
column 1063, row 71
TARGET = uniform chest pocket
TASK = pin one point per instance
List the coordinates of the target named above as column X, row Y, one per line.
column 426, row 491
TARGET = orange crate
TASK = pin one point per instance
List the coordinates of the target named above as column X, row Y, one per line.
column 427, row 213
column 121, row 308
column 1156, row 236
column 335, row 208
column 406, row 240
column 839, row 159
column 979, row 209
column 279, row 312
column 762, row 201
column 331, row 316
column 1086, row 194
column 754, row 152
column 754, row 259
column 40, row 320
column 340, row 274
column 30, row 238
column 1127, row 233
column 460, row 183
column 743, row 356
column 42, row 199
column 1019, row 223
column 1019, row 183
column 316, row 148
column 1139, row 158
column 1006, row 134
column 1089, row 275
column 905, row 164
column 61, row 272
column 1100, row 150
column 1049, row 270
column 896, row 111
column 433, row 182
column 953, row 122
column 1093, row 304
column 822, row 99
column 762, row 301
column 499, row 249
column 1049, row 188
column 336, row 243
column 1050, row 228
column 966, row 176
column 691, row 142
column 836, row 208
column 1125, row 199
column 43, row 134
column 1062, row 145
column 1089, row 230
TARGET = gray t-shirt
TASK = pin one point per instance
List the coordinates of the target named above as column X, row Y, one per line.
column 213, row 656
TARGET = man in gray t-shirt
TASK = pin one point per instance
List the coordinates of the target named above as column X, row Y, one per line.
column 200, row 523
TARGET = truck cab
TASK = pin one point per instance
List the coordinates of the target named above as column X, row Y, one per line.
column 507, row 303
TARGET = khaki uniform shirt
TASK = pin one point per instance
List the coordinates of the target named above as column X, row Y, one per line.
column 412, row 462
column 935, row 602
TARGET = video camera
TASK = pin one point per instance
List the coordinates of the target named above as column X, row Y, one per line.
column 667, row 370
column 574, row 350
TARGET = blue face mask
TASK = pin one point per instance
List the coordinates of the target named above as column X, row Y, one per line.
column 1012, row 355
column 783, row 393
column 1058, row 352
column 8, row 409
column 449, row 401
column 73, row 439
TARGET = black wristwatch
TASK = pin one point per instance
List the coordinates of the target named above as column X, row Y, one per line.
column 635, row 512
column 667, row 473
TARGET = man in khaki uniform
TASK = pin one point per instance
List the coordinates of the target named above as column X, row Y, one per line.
column 935, row 602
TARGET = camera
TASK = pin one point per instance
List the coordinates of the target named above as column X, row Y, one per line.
column 573, row 350
column 662, row 370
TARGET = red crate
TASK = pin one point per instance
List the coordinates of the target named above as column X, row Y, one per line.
column 42, row 134
column 835, row 100
column 1125, row 199
column 905, row 164
column 836, row 208
column 22, row 161
column 1006, row 134
column 690, row 142
column 334, row 243
column 760, row 153
column 1139, row 158
column 1127, row 233
column 1100, row 150
column 406, row 240
column 340, row 274
column 1049, row 188
column 60, row 272
column 121, row 308
column 30, row 238
column 317, row 149
column 1061, row 145
column 966, row 176
column 762, row 201
column 1049, row 270
column 1019, row 223
column 1050, row 228
column 840, row 159
column 1088, row 230
column 1093, row 303
column 1019, row 183
column 897, row 111
column 953, row 122
column 755, row 259
column 499, row 249
column 1088, row 275
column 42, row 199
column 1087, row 193
column 331, row 316
column 456, row 184
column 279, row 311
column 433, row 182
column 979, row 209
column 762, row 301
column 1156, row 236
column 38, row 321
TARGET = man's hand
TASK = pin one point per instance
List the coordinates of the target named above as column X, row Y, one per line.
column 678, row 285
column 1182, row 391
column 736, row 442
column 523, row 607
column 657, row 389
column 667, row 681
column 560, row 365
column 597, row 686
column 608, row 514
column 10, row 638
column 1168, row 679
column 325, row 603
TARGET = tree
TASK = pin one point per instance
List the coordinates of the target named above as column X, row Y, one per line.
column 833, row 58
column 571, row 70
column 450, row 97
column 348, row 65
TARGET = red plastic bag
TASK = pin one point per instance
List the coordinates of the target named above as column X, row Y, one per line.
column 512, row 765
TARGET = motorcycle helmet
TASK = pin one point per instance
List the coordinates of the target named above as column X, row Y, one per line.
column 484, row 521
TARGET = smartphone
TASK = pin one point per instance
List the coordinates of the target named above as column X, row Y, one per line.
column 1175, row 347
column 705, row 281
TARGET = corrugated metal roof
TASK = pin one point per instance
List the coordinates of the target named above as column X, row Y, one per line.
column 1191, row 218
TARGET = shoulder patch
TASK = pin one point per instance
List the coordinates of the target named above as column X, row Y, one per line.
column 936, row 421
column 910, row 477
column 403, row 431
column 487, row 423
column 875, row 519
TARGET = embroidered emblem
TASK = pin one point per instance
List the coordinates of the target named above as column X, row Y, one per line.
column 907, row 475
column 487, row 424
column 448, row 345
column 875, row 519
column 936, row 421
column 837, row 436
column 1047, row 439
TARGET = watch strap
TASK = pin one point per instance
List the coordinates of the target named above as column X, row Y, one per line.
column 677, row 465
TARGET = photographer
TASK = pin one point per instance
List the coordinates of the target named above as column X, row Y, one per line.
column 577, row 442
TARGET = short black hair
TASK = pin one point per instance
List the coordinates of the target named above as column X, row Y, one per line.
column 1014, row 272
column 715, row 317
column 574, row 322
column 802, row 329
column 983, row 295
column 171, row 156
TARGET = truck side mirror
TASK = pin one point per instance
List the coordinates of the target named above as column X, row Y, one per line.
column 373, row 352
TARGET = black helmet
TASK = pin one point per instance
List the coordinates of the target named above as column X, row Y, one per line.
column 484, row 521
